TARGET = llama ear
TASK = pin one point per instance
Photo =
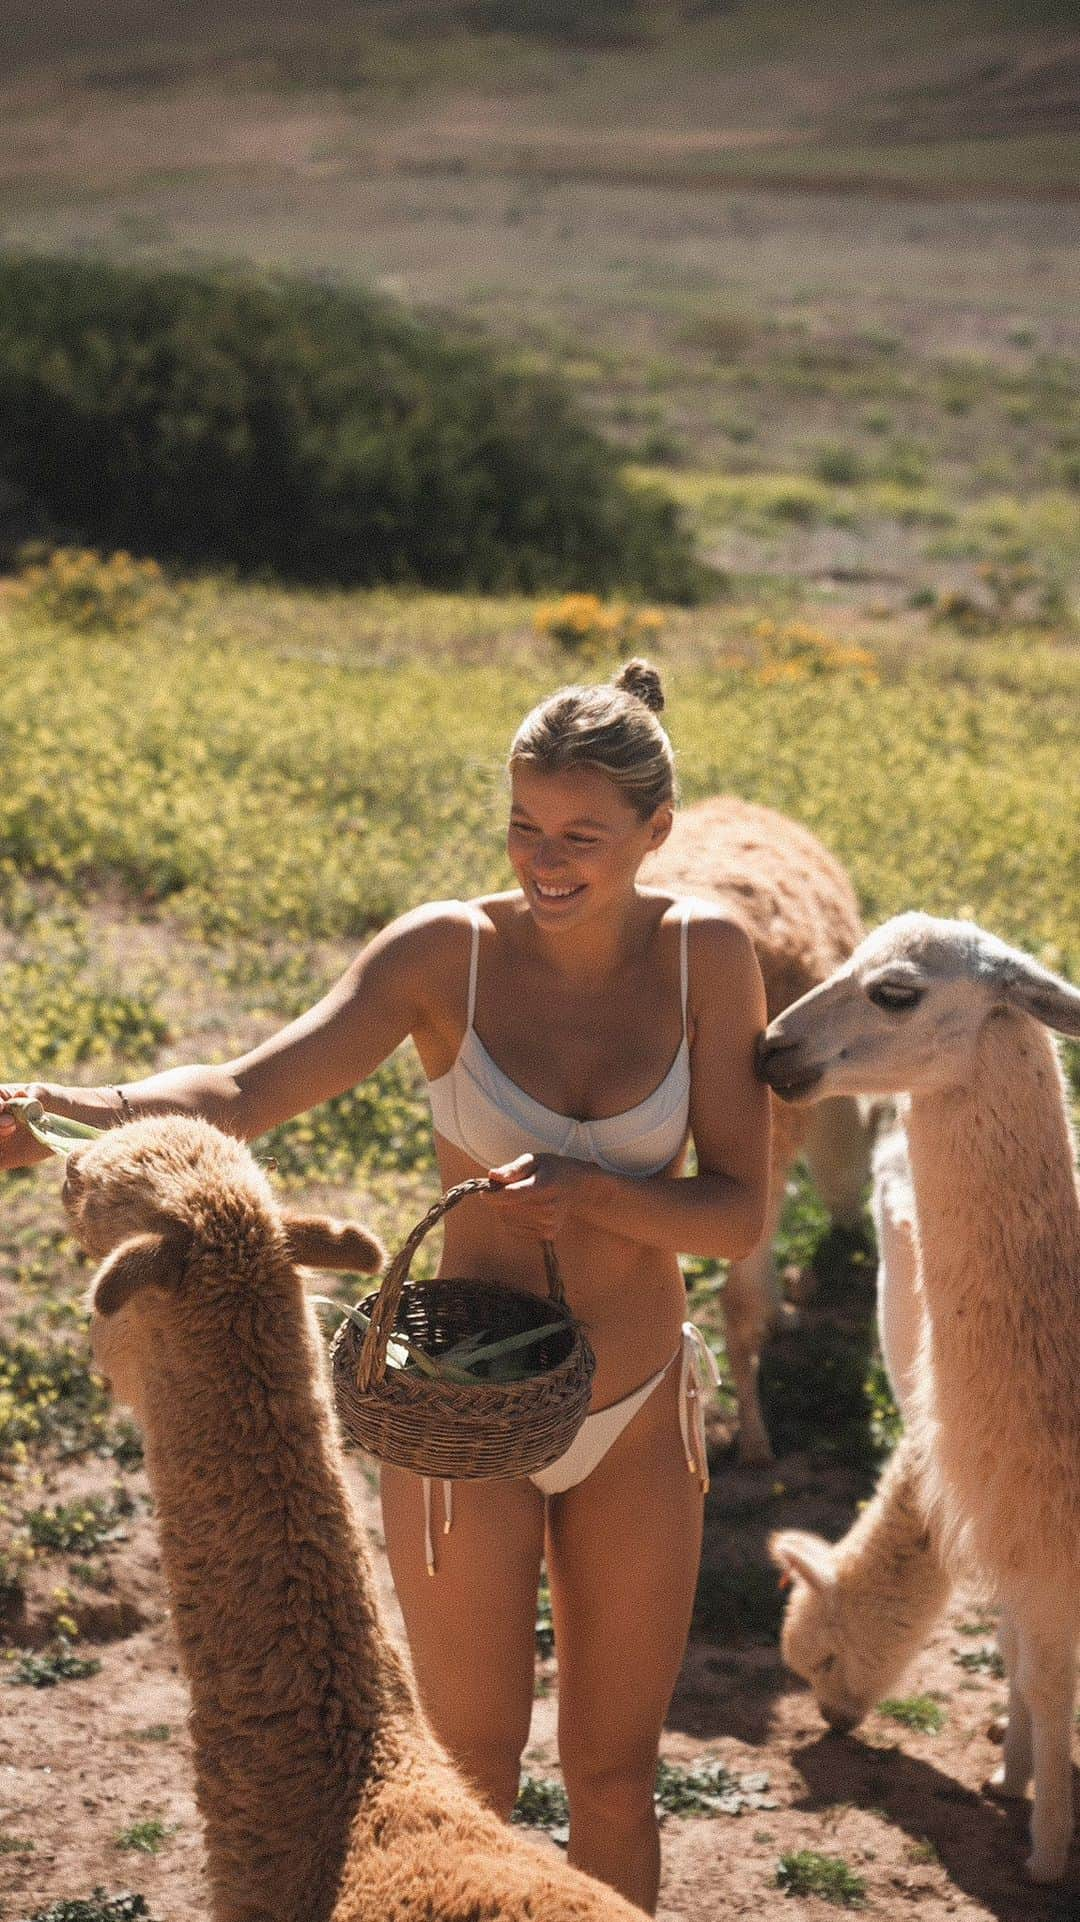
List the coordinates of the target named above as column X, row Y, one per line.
column 143, row 1261
column 806, row 1555
column 318, row 1241
column 1033, row 989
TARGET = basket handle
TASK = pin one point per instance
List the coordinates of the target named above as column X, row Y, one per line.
column 372, row 1363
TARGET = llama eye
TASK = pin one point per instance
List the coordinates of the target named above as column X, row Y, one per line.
column 894, row 995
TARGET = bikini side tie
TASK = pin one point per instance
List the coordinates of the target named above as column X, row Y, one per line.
column 698, row 1361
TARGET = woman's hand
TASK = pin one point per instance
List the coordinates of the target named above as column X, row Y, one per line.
column 537, row 1193
column 18, row 1149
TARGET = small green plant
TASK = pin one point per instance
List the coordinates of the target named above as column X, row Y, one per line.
column 807, row 1873
column 986, row 1660
column 99, row 1579
column 709, row 1788
column 541, row 1804
column 97, row 1907
column 144, row 1838
column 16, row 1845
column 85, row 1525
column 921, row 1852
column 923, row 1713
column 53, row 1665
column 157, row 1732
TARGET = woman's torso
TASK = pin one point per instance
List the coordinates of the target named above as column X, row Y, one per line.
column 616, row 1054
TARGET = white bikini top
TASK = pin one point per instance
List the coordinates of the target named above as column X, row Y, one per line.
column 477, row 1107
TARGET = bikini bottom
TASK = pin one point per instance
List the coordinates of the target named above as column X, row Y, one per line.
column 599, row 1431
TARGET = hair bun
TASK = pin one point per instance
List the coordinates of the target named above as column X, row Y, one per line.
column 643, row 681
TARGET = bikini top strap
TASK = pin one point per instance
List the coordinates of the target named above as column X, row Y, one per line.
column 474, row 956
column 684, row 959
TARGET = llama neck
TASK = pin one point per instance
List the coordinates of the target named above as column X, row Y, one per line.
column 296, row 1692
column 255, row 1519
column 993, row 1170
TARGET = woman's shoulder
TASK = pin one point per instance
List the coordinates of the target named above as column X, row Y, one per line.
column 714, row 923
column 437, row 931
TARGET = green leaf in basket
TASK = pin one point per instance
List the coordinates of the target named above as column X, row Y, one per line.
column 510, row 1344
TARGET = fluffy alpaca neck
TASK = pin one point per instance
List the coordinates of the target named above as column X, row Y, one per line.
column 994, row 1175
column 999, row 1231
column 888, row 1566
column 296, row 1692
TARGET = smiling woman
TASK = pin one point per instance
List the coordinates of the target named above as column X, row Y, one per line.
column 576, row 1031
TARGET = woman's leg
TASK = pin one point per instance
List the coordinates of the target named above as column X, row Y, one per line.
column 471, row 1626
column 623, row 1550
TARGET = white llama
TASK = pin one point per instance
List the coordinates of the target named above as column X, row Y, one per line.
column 950, row 1015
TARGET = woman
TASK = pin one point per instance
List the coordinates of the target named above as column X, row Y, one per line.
column 575, row 1032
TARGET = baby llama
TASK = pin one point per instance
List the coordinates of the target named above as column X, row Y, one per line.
column 800, row 911
column 322, row 1790
column 950, row 1015
column 861, row 1609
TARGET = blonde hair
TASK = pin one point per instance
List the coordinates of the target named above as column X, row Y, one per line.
column 611, row 726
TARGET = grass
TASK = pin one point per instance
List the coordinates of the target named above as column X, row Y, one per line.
column 144, row 1838
column 97, row 1907
column 46, row 1670
column 986, row 1660
column 85, row 1525
column 709, row 1787
column 921, row 1713
column 807, row 1873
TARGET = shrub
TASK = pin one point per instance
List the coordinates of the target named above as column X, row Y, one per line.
column 795, row 651
column 837, row 465
column 584, row 626
column 321, row 433
column 88, row 591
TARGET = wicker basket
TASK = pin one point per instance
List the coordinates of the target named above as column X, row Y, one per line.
column 449, row 1429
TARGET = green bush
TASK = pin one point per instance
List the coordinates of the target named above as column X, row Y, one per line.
column 318, row 433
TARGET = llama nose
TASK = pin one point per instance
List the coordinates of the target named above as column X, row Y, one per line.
column 768, row 1049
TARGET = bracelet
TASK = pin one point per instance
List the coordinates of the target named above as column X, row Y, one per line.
column 127, row 1112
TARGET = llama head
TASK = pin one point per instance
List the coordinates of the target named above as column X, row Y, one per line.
column 146, row 1197
column 820, row 1639
column 906, row 1013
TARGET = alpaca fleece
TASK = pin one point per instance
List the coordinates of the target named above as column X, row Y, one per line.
column 322, row 1789
column 799, row 908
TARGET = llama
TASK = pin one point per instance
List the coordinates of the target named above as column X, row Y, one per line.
column 861, row 1609
column 800, row 911
column 323, row 1792
column 950, row 1015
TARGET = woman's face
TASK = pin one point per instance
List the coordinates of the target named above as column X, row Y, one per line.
column 575, row 843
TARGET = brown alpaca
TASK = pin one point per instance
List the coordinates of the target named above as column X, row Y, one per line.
column 322, row 1789
column 800, row 911
column 957, row 1020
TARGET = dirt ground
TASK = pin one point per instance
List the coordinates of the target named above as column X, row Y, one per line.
column 83, row 1762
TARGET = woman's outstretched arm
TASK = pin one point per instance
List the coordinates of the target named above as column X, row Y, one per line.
column 378, row 1000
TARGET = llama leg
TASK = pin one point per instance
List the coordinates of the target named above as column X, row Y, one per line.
column 751, row 1298
column 838, row 1155
column 1047, row 1680
column 1013, row 1776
